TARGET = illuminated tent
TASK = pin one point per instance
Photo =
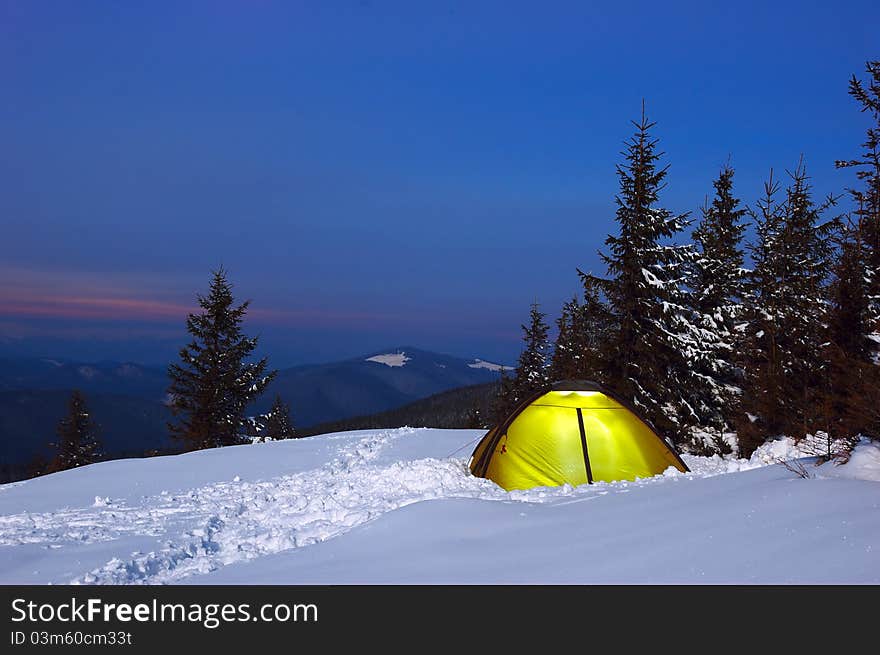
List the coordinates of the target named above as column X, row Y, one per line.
column 573, row 433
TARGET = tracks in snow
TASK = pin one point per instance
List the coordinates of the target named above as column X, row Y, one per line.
column 211, row 526
column 237, row 521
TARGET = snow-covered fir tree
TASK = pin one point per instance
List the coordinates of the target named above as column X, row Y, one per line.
column 78, row 443
column 807, row 254
column 276, row 423
column 853, row 345
column 533, row 366
column 501, row 401
column 765, row 387
column 581, row 330
column 852, row 376
column 598, row 325
column 786, row 316
column 213, row 383
column 718, row 280
column 719, row 276
column 473, row 419
column 649, row 357
column 866, row 197
column 849, row 312
column 569, row 346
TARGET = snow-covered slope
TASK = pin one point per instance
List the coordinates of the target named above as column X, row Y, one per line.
column 400, row 506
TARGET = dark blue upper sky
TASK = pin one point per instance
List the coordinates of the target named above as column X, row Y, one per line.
column 375, row 173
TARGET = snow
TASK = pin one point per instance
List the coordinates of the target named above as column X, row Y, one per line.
column 863, row 464
column 875, row 337
column 652, row 279
column 87, row 372
column 399, row 506
column 390, row 359
column 479, row 363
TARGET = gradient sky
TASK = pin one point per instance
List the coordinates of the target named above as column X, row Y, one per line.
column 375, row 173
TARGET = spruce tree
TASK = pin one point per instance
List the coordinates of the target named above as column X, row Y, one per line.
column 851, row 373
column 785, row 316
column 718, row 281
column 277, row 423
column 764, row 395
column 807, row 255
column 78, row 443
column 595, row 334
column 501, row 400
column 582, row 328
column 213, row 383
column 569, row 344
column 719, row 274
column 649, row 356
column 867, row 198
column 533, row 367
column 849, row 319
column 473, row 420
column 854, row 321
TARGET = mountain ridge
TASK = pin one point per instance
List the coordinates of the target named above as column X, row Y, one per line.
column 128, row 400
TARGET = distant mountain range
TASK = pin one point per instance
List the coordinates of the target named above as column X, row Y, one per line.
column 102, row 377
column 460, row 408
column 128, row 400
column 372, row 383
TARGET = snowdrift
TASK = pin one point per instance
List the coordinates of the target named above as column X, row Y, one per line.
column 399, row 506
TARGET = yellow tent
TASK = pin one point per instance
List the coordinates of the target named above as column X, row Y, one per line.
column 573, row 433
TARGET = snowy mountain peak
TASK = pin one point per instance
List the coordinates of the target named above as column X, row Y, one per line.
column 479, row 363
column 390, row 359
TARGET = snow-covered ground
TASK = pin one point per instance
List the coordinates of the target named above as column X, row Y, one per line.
column 399, row 506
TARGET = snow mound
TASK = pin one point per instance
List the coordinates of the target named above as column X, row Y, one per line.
column 715, row 465
column 863, row 464
column 390, row 359
column 767, row 454
column 479, row 363
column 778, row 450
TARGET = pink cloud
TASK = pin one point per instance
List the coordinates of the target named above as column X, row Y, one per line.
column 141, row 309
column 92, row 308
column 120, row 297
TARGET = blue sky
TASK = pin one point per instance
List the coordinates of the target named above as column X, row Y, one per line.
column 375, row 173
